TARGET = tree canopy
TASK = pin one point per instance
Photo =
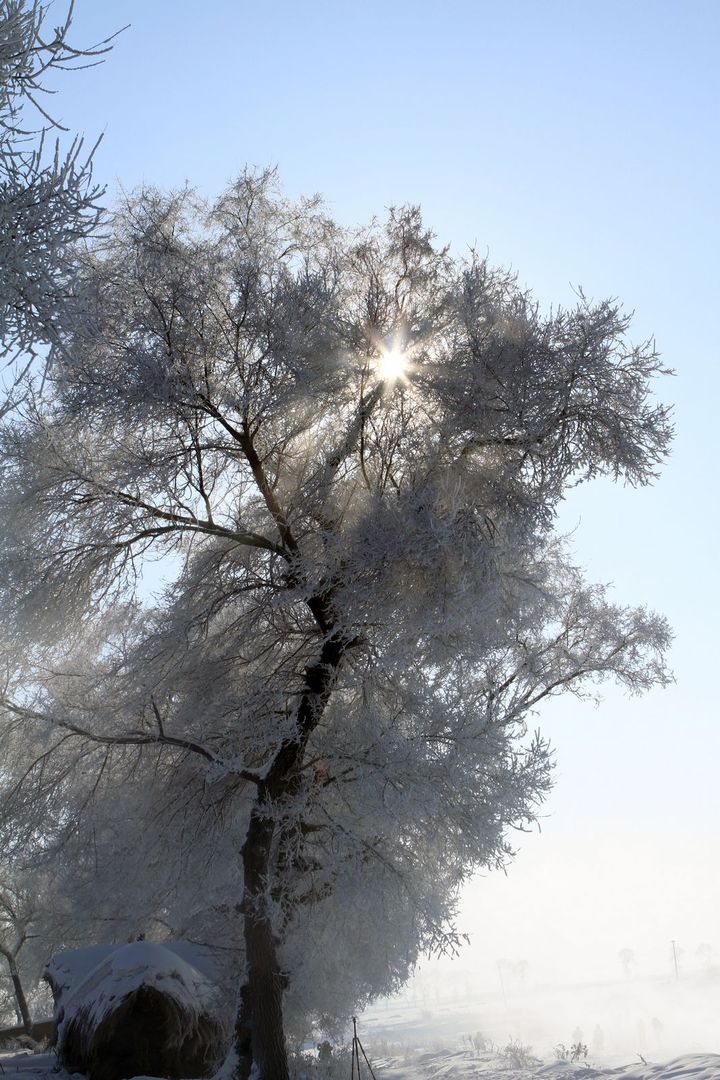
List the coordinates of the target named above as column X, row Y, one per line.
column 48, row 203
column 343, row 453
column 48, row 199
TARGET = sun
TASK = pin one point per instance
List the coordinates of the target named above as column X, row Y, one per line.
column 392, row 365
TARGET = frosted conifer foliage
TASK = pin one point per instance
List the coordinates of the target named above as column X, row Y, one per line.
column 350, row 446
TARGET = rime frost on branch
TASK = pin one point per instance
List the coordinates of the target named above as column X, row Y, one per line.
column 48, row 200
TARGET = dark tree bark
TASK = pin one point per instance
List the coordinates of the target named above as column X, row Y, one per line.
column 20, row 999
column 260, row 1036
column 259, row 1030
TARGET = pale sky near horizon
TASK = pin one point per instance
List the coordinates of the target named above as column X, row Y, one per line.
column 577, row 143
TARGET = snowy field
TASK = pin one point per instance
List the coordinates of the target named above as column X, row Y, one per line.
column 463, row 1065
column 619, row 1020
column 652, row 1029
column 440, row 1065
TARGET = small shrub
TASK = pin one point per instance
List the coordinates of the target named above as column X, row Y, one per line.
column 577, row 1051
column 517, row 1055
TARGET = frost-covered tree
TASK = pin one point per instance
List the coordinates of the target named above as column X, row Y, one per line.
column 347, row 450
column 17, row 912
column 48, row 200
column 26, row 937
column 36, row 862
column 155, row 859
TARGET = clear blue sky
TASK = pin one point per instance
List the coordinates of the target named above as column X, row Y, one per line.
column 578, row 143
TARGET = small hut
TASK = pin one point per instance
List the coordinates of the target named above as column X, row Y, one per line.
column 141, row 1009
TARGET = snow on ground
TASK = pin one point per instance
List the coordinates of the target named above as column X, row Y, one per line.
column 28, row 1066
column 464, row 1065
column 441, row 1065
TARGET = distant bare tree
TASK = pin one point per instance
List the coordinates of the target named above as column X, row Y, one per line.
column 706, row 954
column 628, row 961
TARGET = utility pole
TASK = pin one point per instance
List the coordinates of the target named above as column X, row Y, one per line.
column 677, row 973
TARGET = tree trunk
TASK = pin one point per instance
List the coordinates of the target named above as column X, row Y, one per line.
column 21, row 1000
column 259, row 1030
